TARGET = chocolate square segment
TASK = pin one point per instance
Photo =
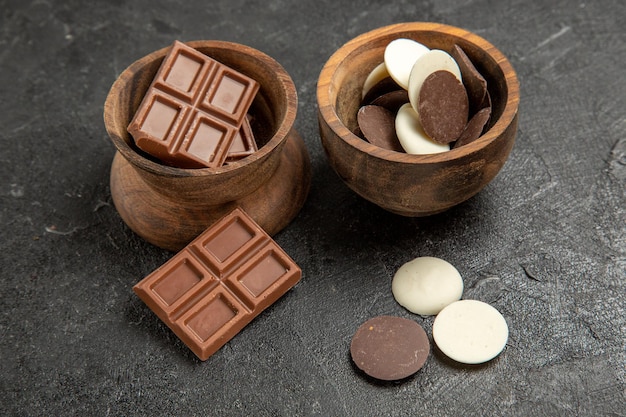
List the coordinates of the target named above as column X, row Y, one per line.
column 256, row 279
column 181, row 278
column 210, row 316
column 208, row 139
column 184, row 72
column 228, row 94
column 177, row 281
column 193, row 110
column 243, row 143
column 159, row 120
column 222, row 280
column 264, row 272
column 233, row 236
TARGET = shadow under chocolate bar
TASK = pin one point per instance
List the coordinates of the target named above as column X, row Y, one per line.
column 193, row 110
column 216, row 285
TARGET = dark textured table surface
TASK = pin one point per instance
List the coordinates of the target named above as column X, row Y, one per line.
column 545, row 242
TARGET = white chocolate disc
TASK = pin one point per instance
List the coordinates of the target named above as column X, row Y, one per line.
column 470, row 331
column 426, row 285
column 378, row 74
column 411, row 133
column 400, row 55
column 431, row 61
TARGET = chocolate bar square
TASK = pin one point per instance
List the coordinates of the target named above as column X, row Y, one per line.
column 193, row 110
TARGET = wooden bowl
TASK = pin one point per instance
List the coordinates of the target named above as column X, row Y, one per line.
column 170, row 206
column 414, row 185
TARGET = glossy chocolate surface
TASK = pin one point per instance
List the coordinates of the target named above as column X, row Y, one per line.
column 377, row 125
column 217, row 284
column 243, row 143
column 193, row 110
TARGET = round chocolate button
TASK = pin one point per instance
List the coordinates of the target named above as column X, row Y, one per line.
column 443, row 106
column 470, row 331
column 400, row 56
column 390, row 348
column 412, row 136
column 378, row 126
column 426, row 285
column 474, row 127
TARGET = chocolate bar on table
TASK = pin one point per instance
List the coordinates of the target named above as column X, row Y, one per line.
column 216, row 285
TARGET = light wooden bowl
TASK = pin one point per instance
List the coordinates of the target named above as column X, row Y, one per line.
column 414, row 185
column 170, row 206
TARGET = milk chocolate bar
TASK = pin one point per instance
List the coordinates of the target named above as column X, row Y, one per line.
column 193, row 110
column 243, row 143
column 216, row 285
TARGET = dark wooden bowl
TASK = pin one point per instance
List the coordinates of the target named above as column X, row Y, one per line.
column 170, row 206
column 414, row 185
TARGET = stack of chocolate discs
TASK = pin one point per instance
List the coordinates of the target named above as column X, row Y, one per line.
column 423, row 101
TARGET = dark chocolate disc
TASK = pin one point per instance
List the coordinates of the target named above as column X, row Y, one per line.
column 377, row 125
column 474, row 82
column 443, row 107
column 385, row 85
column 392, row 100
column 390, row 348
column 474, row 127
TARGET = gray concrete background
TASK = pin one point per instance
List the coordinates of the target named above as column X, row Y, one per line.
column 545, row 242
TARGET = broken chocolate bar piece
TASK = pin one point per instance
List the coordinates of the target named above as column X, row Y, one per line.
column 243, row 143
column 193, row 110
column 216, row 285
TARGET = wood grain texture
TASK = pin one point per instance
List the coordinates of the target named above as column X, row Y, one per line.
column 171, row 223
column 169, row 206
column 413, row 185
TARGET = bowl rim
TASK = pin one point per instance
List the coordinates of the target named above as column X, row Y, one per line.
column 280, row 135
column 327, row 109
